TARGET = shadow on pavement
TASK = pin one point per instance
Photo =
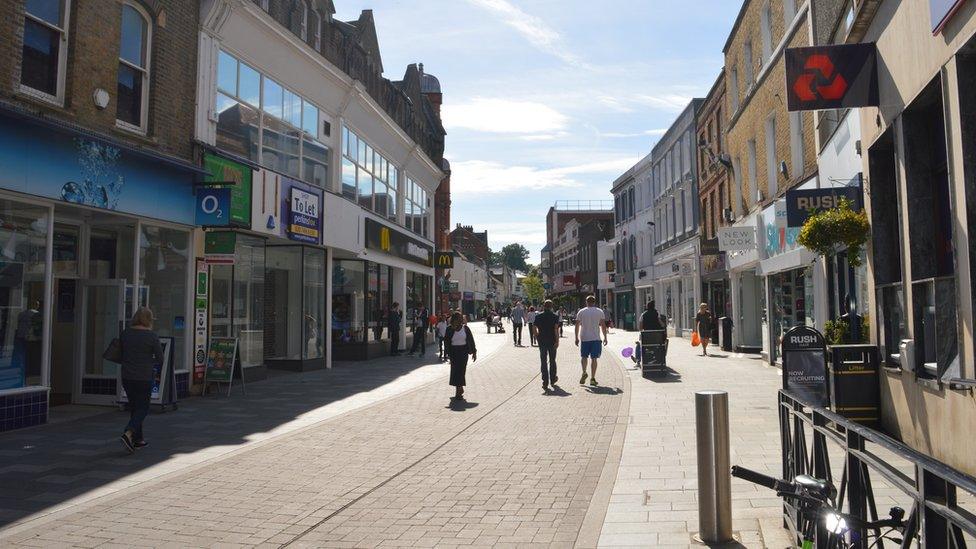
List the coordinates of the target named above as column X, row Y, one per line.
column 46, row 466
column 668, row 375
column 557, row 391
column 600, row 390
column 456, row 406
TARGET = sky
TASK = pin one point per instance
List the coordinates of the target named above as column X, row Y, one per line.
column 548, row 100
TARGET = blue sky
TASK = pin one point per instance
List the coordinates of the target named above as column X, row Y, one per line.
column 548, row 100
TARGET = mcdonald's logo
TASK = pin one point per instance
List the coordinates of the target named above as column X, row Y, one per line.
column 444, row 260
column 385, row 239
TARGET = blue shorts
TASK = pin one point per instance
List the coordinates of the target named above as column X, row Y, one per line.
column 591, row 349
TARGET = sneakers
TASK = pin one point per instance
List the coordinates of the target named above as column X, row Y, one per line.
column 554, row 380
column 140, row 444
column 126, row 439
column 593, row 382
column 583, row 378
column 545, row 389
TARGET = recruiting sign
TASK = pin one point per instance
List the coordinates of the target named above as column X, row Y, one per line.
column 305, row 216
column 221, row 355
column 236, row 179
column 805, row 365
column 736, row 239
column 389, row 240
column 832, row 77
column 801, row 204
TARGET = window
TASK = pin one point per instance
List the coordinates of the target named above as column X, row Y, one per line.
column 368, row 177
column 302, row 8
column 416, row 206
column 789, row 12
column 772, row 165
column 132, row 95
column 766, row 26
column 737, row 173
column 630, row 203
column 45, row 41
column 734, row 88
column 674, row 218
column 684, row 216
column 796, row 143
column 747, row 60
column 317, row 30
column 250, row 105
column 753, row 192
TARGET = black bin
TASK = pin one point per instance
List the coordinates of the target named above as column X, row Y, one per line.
column 855, row 385
column 725, row 333
column 654, row 349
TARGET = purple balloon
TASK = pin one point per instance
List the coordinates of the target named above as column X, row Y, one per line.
column 628, row 352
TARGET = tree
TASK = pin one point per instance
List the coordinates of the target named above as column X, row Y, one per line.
column 514, row 255
column 533, row 288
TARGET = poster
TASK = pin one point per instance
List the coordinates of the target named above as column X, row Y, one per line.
column 161, row 376
column 805, row 365
column 221, row 355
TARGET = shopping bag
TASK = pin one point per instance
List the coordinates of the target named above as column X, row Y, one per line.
column 113, row 353
column 695, row 339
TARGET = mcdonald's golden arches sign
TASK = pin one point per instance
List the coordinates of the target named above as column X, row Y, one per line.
column 444, row 260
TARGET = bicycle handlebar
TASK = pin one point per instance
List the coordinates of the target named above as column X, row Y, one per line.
column 763, row 480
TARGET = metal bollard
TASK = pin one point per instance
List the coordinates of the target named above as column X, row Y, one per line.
column 714, row 476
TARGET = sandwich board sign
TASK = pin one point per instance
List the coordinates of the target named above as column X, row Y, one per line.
column 805, row 365
column 221, row 360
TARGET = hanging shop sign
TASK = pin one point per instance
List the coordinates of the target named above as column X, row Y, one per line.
column 737, row 239
column 832, row 77
column 219, row 246
column 391, row 241
column 213, row 207
column 304, row 216
column 444, row 260
column 805, row 365
column 235, row 177
column 801, row 204
column 941, row 11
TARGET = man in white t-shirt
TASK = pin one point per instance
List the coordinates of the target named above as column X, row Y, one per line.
column 589, row 323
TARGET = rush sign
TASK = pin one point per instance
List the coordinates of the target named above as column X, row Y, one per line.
column 832, row 77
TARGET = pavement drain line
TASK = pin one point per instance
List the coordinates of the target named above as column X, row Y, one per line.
column 104, row 495
column 408, row 467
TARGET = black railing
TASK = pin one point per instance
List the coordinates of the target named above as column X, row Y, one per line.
column 935, row 518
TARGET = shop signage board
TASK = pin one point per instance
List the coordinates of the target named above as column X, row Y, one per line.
column 468, row 296
column 221, row 358
column 802, row 203
column 941, row 11
column 839, row 76
column 219, row 246
column 805, row 365
column 200, row 321
column 391, row 241
column 709, row 246
column 213, row 206
column 737, row 239
column 80, row 169
column 235, row 177
column 444, row 260
column 779, row 236
column 304, row 216
column 163, row 382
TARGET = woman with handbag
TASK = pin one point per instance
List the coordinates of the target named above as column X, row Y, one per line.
column 141, row 351
column 460, row 344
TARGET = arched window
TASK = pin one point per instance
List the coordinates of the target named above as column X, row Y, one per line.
column 132, row 91
column 317, row 30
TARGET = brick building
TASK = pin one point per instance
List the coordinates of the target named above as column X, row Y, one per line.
column 96, row 128
column 466, row 240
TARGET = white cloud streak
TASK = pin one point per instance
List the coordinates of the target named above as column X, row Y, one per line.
column 492, row 115
column 534, row 29
column 480, row 177
column 658, row 132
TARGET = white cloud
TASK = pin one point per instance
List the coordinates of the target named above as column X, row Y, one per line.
column 633, row 102
column 534, row 29
column 479, row 177
column 504, row 116
column 531, row 234
column 657, row 132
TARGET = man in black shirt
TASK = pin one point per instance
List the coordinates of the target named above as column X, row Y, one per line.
column 394, row 325
column 651, row 319
column 421, row 325
column 546, row 327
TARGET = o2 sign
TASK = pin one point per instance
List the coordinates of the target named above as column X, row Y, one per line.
column 213, row 207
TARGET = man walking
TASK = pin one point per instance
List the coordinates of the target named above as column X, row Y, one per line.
column 421, row 325
column 529, row 321
column 518, row 319
column 589, row 323
column 546, row 334
column 393, row 323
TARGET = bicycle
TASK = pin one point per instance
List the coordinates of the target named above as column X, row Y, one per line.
column 815, row 501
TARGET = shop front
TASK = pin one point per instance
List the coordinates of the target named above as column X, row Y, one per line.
column 748, row 298
column 677, row 287
column 716, row 288
column 102, row 230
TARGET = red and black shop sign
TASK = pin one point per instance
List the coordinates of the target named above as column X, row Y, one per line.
column 832, row 77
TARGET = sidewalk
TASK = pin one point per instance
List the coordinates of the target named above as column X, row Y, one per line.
column 60, row 465
column 655, row 500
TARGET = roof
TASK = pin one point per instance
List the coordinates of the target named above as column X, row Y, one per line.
column 428, row 82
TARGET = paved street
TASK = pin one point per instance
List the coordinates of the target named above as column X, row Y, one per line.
column 371, row 454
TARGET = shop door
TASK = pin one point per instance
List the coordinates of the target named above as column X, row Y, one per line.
column 103, row 316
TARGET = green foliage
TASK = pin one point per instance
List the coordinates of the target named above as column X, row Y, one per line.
column 533, row 288
column 826, row 231
column 835, row 331
column 514, row 255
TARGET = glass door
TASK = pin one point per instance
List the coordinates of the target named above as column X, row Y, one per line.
column 104, row 316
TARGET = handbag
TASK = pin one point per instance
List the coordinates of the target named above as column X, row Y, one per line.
column 113, row 353
column 695, row 339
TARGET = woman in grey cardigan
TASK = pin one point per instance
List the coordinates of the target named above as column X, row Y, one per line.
column 141, row 351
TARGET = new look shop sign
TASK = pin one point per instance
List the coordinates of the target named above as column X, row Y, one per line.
column 737, row 239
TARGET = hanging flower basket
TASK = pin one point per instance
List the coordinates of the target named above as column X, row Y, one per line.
column 829, row 231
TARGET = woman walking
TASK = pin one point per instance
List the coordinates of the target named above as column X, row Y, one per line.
column 141, row 351
column 703, row 325
column 460, row 344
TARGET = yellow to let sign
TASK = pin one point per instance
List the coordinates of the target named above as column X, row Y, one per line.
column 307, row 231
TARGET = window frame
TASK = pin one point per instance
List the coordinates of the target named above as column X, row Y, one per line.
column 58, row 98
column 143, row 126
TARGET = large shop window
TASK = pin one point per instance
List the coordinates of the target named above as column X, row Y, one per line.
column 379, row 301
column 416, row 206
column 42, row 63
column 348, row 297
column 418, row 295
column 294, row 287
column 133, row 76
column 262, row 121
column 237, row 300
column 368, row 177
column 792, row 303
column 163, row 262
column 23, row 263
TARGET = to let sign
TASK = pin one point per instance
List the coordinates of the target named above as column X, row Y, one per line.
column 832, row 77
column 736, row 239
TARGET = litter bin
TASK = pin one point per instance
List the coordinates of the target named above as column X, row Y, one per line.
column 855, row 383
column 654, row 350
column 725, row 333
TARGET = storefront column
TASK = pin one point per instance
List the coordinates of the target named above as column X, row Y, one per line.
column 399, row 280
column 735, row 287
column 328, row 308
